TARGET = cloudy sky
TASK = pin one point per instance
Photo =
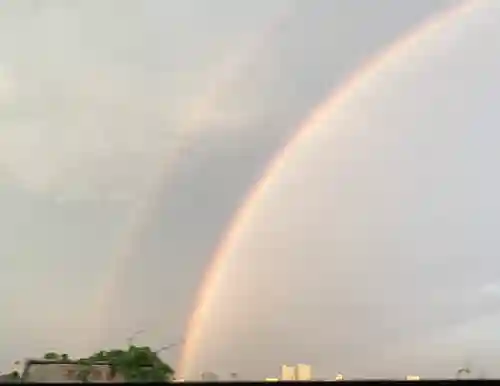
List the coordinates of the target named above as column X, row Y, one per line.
column 132, row 131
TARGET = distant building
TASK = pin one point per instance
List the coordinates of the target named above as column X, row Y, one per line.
column 272, row 379
column 339, row 377
column 44, row 370
column 208, row 376
column 412, row 378
column 300, row 372
column 303, row 372
column 288, row 373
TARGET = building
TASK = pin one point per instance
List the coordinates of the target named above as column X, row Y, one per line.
column 208, row 376
column 339, row 377
column 45, row 370
column 300, row 372
column 271, row 379
column 288, row 373
column 303, row 372
column 412, row 378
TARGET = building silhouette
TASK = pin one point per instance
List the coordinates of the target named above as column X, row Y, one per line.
column 45, row 370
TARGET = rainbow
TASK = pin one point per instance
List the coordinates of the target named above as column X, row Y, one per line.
column 332, row 105
column 221, row 86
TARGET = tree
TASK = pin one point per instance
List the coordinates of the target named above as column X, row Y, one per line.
column 12, row 377
column 52, row 356
column 136, row 364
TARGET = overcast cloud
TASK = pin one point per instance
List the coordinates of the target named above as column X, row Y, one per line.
column 182, row 103
column 372, row 251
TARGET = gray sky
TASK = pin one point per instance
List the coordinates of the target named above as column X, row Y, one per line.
column 106, row 105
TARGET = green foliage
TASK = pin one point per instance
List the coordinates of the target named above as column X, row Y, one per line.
column 12, row 377
column 137, row 364
column 52, row 356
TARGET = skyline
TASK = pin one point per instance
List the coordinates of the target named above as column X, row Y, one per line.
column 182, row 107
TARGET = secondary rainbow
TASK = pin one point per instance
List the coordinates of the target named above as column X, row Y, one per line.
column 318, row 115
column 221, row 86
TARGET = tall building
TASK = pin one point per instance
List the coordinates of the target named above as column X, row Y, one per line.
column 288, row 373
column 300, row 372
column 303, row 372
